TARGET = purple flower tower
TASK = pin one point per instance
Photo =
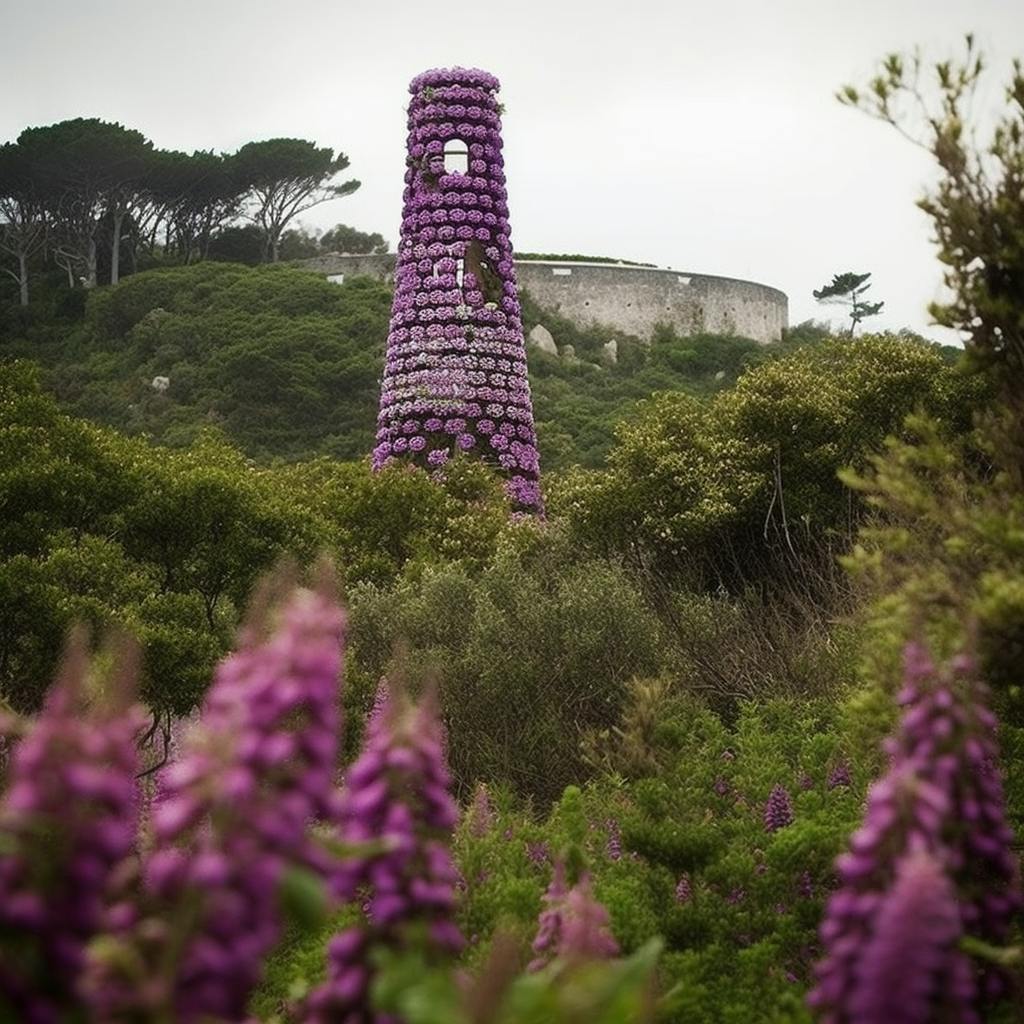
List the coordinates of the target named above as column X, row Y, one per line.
column 455, row 379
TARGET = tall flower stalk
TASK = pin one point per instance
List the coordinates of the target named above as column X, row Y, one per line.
column 573, row 927
column 778, row 809
column 234, row 819
column 398, row 807
column 67, row 821
column 938, row 809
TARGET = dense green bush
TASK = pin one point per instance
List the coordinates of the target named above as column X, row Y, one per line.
column 714, row 487
column 673, row 834
column 111, row 530
column 285, row 362
column 530, row 649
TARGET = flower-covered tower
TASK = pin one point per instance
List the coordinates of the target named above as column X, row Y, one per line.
column 455, row 378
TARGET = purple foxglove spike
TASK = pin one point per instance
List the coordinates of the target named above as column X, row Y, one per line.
column 684, row 889
column 455, row 348
column 539, row 852
column 926, row 806
column 397, row 792
column 613, row 847
column 381, row 699
column 482, row 812
column 585, row 930
column 911, row 964
column 549, row 924
column 235, row 816
column 778, row 811
column 72, row 775
column 840, row 775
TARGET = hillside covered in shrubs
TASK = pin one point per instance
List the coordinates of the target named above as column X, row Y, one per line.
column 287, row 365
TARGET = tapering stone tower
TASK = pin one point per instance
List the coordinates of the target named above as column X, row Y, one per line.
column 455, row 378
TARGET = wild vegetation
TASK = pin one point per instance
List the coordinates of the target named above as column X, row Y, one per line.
column 598, row 766
column 287, row 365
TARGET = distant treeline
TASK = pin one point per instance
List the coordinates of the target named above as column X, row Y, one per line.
column 91, row 197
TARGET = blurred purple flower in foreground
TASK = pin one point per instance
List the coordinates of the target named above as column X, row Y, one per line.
column 72, row 777
column 911, row 965
column 234, row 820
column 939, row 809
column 398, row 806
column 573, row 926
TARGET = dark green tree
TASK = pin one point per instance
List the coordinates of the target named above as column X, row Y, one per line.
column 299, row 243
column 236, row 243
column 286, row 177
column 342, row 238
column 848, row 290
column 976, row 209
column 201, row 192
column 91, row 173
column 22, row 217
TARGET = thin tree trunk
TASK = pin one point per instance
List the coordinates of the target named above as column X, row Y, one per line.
column 115, row 248
column 23, row 277
column 90, row 265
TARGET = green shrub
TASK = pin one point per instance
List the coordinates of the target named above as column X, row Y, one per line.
column 529, row 651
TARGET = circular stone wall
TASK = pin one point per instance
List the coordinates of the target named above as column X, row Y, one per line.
column 631, row 299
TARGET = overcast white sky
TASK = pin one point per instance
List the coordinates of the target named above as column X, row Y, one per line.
column 701, row 136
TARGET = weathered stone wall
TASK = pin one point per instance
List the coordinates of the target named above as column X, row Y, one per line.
column 631, row 299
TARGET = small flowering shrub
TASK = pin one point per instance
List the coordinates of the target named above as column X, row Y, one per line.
column 674, row 840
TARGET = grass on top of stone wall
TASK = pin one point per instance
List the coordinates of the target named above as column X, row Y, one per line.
column 575, row 257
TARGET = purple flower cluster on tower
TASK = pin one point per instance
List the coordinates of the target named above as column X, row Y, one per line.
column 397, row 804
column 234, row 817
column 68, row 818
column 939, row 809
column 455, row 378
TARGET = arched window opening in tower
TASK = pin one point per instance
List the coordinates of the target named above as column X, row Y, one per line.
column 456, row 157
